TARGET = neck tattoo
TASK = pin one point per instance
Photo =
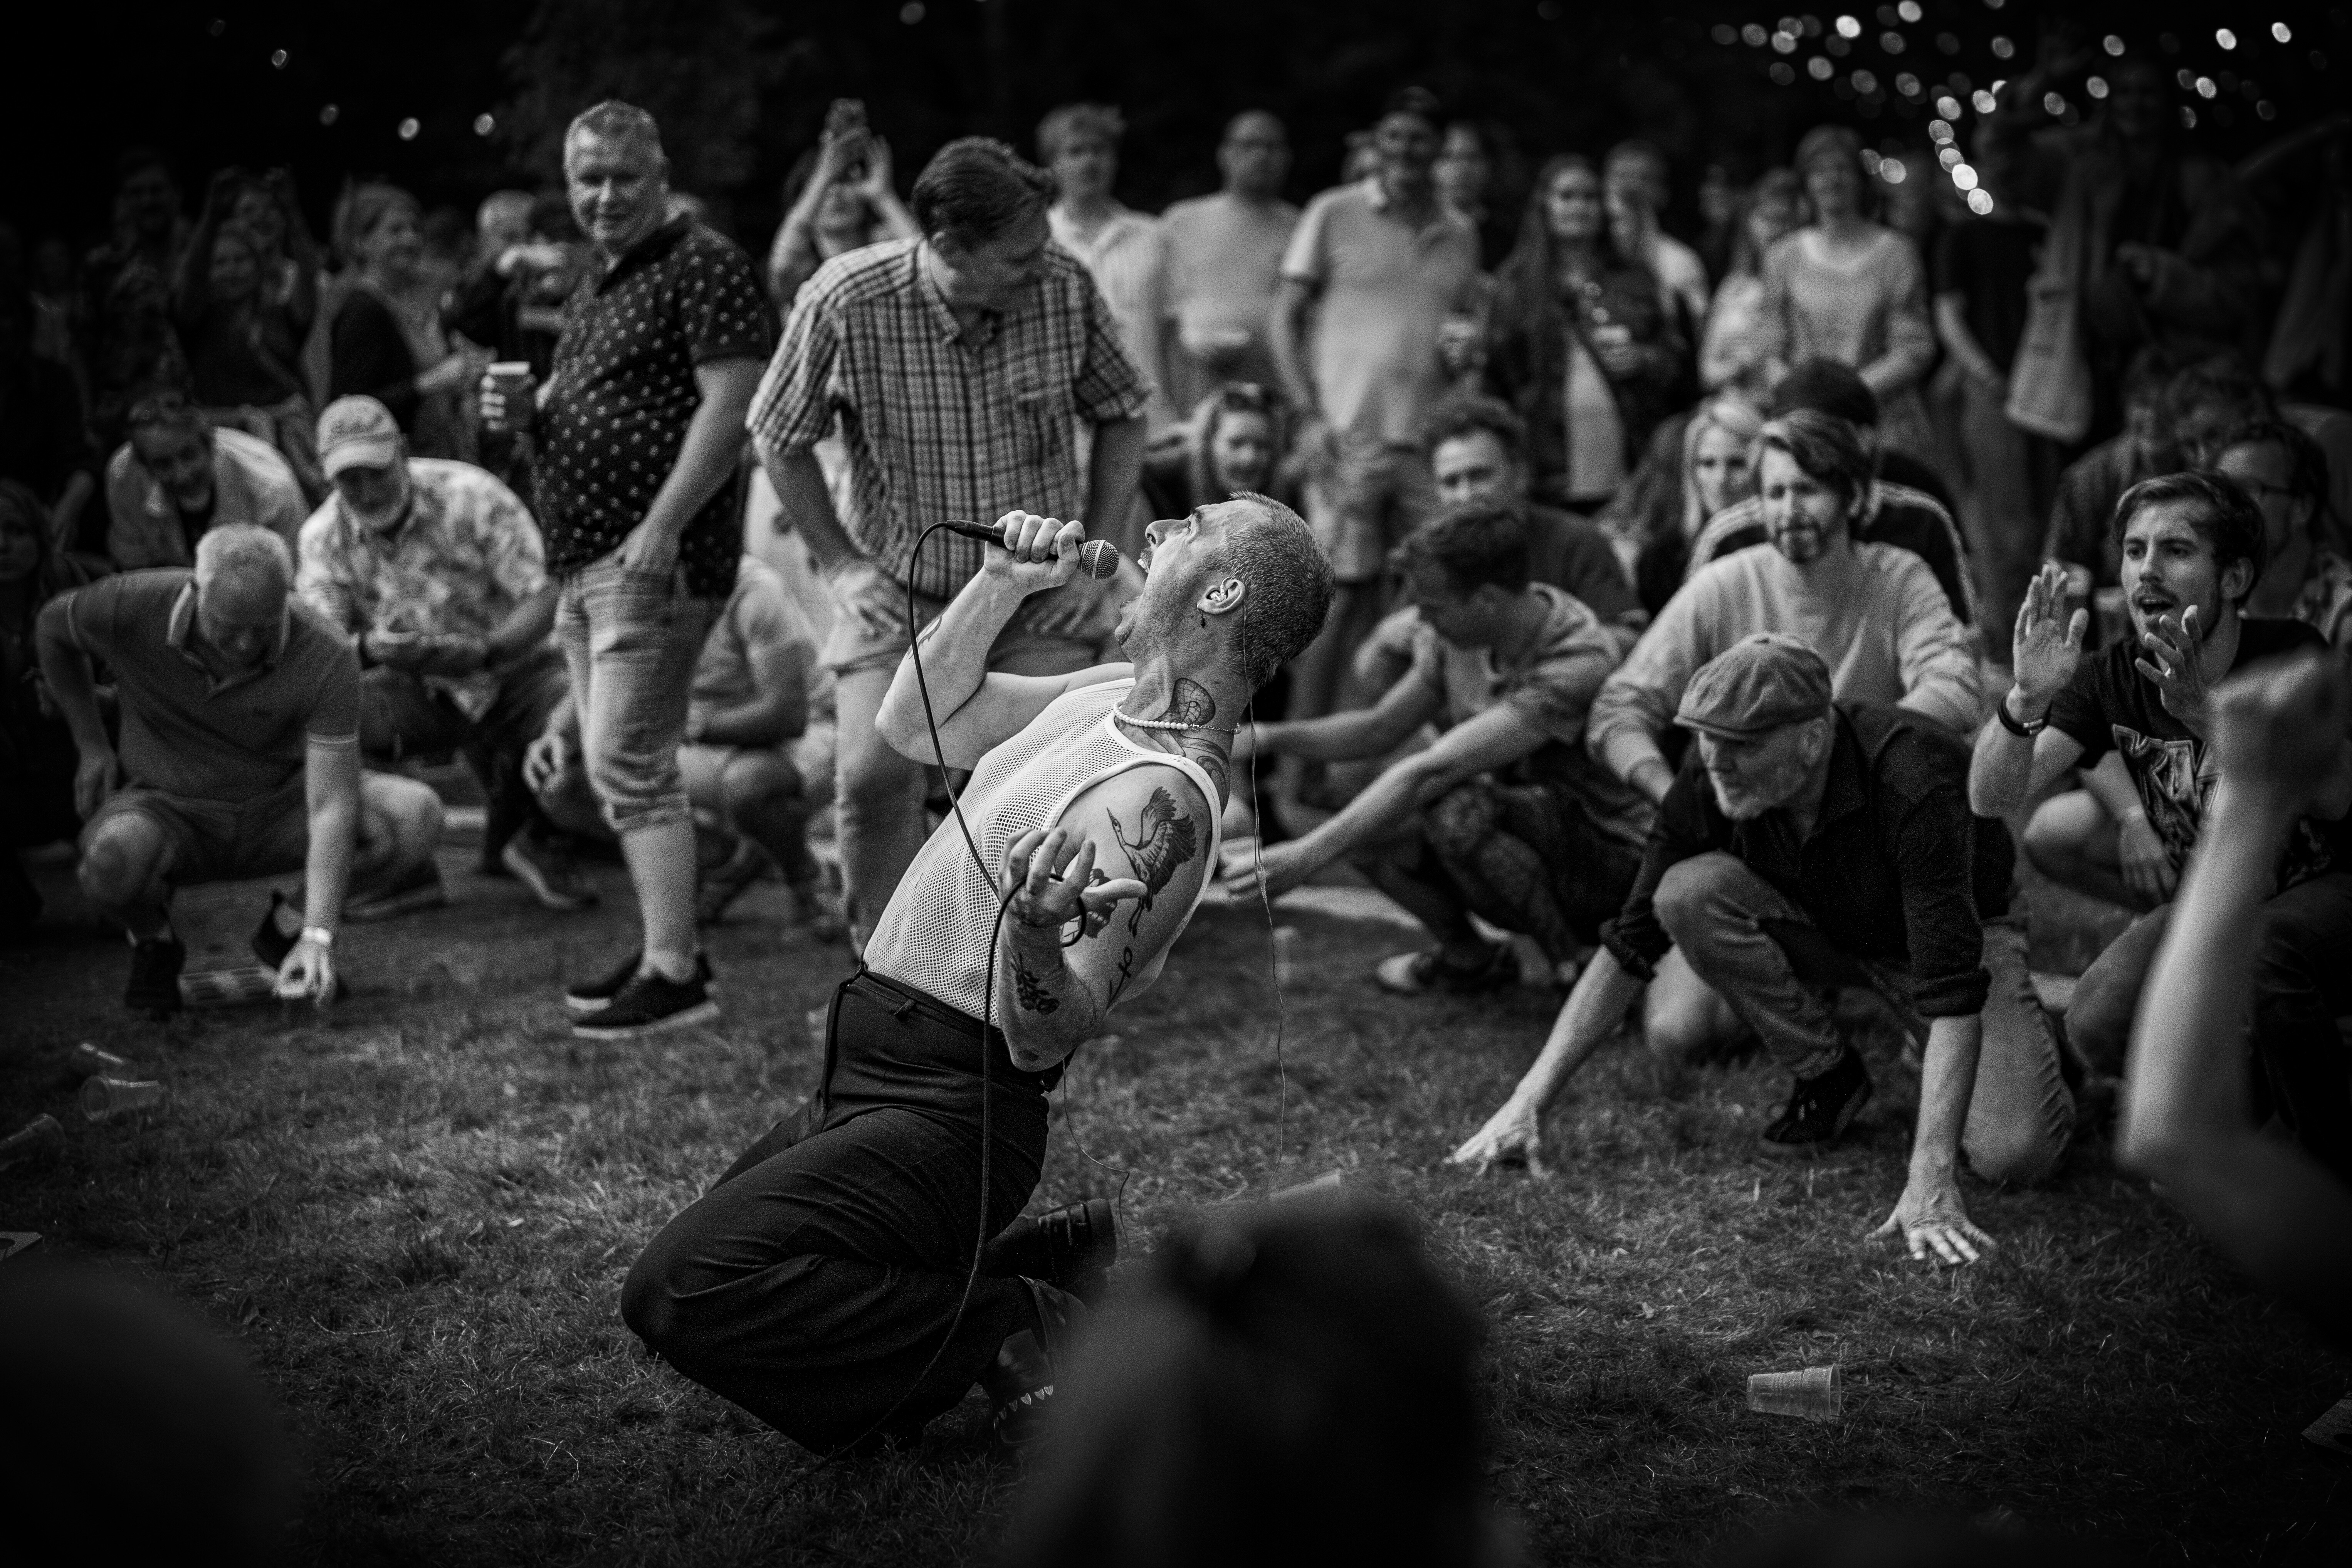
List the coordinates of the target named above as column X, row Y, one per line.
column 1190, row 707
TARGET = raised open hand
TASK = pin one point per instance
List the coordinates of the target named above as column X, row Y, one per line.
column 2172, row 662
column 2049, row 641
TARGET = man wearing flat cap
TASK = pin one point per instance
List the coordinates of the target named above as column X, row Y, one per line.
column 1808, row 844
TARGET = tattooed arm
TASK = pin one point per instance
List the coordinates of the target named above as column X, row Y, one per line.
column 976, row 710
column 1116, row 877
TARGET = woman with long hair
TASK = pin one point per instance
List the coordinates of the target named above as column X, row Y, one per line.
column 1233, row 440
column 244, row 344
column 1731, row 356
column 1847, row 288
column 386, row 339
column 1697, row 465
column 1581, row 340
column 838, row 197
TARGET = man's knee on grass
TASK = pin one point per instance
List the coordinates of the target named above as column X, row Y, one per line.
column 125, row 863
column 754, row 784
column 400, row 824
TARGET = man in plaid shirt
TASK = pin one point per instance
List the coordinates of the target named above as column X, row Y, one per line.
column 958, row 368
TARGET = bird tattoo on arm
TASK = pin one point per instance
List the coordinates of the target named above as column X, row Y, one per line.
column 1165, row 838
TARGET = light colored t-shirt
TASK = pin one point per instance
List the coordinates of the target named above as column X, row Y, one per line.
column 1383, row 289
column 1550, row 688
column 759, row 616
column 1224, row 263
column 1596, row 434
column 1129, row 259
column 1891, row 637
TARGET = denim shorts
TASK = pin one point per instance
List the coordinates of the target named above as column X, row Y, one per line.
column 631, row 639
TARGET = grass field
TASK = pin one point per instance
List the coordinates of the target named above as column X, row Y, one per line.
column 414, row 1218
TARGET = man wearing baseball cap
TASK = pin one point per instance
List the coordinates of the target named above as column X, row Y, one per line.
column 1808, row 844
column 434, row 571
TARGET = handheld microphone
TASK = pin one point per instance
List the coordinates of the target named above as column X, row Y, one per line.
column 1097, row 558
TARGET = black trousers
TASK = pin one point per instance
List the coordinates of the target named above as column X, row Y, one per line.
column 815, row 1280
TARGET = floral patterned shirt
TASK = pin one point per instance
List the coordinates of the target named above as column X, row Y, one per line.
column 467, row 554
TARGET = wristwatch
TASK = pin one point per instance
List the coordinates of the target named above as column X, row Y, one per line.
column 2026, row 728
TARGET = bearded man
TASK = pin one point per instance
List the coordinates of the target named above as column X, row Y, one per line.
column 434, row 571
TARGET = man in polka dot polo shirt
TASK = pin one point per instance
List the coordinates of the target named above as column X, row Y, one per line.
column 640, row 426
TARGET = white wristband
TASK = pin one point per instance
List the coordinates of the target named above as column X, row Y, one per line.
column 318, row 935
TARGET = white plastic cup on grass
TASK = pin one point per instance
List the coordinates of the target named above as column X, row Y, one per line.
column 111, row 1099
column 1816, row 1393
column 42, row 1138
column 88, row 1061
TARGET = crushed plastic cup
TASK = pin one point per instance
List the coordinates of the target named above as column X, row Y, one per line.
column 228, row 987
column 1816, row 1393
column 88, row 1061
column 42, row 1138
column 1285, row 955
column 1324, row 1185
column 111, row 1099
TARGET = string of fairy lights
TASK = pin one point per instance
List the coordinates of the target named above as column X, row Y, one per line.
column 407, row 127
column 1890, row 66
column 1872, row 64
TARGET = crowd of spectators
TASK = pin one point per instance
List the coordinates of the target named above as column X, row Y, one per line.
column 1708, row 615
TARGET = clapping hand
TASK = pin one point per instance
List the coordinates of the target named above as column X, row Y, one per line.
column 2280, row 730
column 2173, row 663
column 2048, row 641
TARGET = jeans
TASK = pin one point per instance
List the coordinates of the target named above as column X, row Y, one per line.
column 1528, row 858
column 2099, row 1019
column 820, row 1277
column 631, row 639
column 1765, row 956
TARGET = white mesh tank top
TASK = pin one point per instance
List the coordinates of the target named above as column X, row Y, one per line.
column 934, row 934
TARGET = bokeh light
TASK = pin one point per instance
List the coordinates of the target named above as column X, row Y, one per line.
column 1980, row 202
column 409, row 128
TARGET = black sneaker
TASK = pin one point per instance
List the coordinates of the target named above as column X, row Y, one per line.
column 269, row 944
column 589, row 996
column 648, row 1004
column 1021, row 1384
column 1820, row 1108
column 155, row 966
column 1070, row 1248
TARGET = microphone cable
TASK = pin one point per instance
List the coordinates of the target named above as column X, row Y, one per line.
column 987, row 1008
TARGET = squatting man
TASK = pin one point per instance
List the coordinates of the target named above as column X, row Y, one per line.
column 1805, row 845
column 827, row 1284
